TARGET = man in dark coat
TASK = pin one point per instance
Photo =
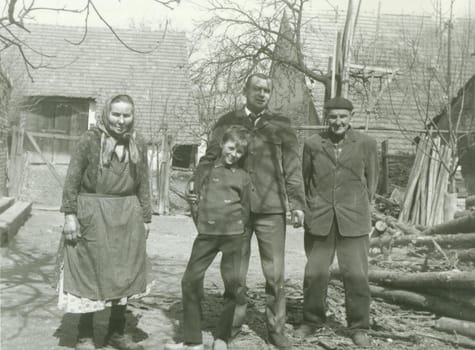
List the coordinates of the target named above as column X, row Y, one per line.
column 274, row 166
column 340, row 170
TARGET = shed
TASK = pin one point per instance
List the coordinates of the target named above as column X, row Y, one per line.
column 387, row 85
column 77, row 73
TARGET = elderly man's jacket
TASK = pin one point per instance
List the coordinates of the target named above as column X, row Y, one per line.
column 273, row 161
column 339, row 183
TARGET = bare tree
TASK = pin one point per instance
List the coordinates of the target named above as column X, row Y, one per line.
column 242, row 38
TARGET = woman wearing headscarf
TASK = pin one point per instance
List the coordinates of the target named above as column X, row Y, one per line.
column 106, row 202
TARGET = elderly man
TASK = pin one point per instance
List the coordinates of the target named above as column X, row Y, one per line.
column 340, row 168
column 275, row 170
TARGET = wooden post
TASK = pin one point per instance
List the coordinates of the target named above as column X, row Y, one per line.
column 16, row 166
column 164, row 174
column 384, row 189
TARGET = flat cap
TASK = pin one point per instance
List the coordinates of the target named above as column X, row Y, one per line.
column 338, row 103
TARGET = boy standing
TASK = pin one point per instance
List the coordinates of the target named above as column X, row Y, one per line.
column 222, row 213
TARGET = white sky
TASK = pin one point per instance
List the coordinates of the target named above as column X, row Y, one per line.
column 124, row 13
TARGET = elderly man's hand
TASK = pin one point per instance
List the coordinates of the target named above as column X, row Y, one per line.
column 297, row 218
column 71, row 230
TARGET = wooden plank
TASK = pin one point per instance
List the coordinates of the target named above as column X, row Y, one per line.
column 5, row 203
column 411, row 190
column 384, row 167
column 48, row 163
column 423, row 185
column 12, row 219
column 377, row 128
column 432, row 179
column 54, row 136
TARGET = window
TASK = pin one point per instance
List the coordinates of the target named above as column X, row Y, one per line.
column 184, row 156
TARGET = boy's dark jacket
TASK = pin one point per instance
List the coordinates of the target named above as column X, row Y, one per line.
column 273, row 161
column 223, row 206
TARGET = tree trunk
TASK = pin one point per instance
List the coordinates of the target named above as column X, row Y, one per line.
column 464, row 224
column 452, row 241
column 456, row 326
column 445, row 280
column 437, row 305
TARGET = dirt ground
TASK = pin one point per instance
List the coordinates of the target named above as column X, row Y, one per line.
column 31, row 321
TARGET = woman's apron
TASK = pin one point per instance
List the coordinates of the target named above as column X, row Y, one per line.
column 109, row 259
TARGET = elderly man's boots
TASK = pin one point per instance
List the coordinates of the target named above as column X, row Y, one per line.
column 116, row 336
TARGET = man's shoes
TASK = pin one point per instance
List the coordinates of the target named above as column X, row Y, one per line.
column 361, row 339
column 182, row 346
column 280, row 341
column 122, row 342
column 305, row 330
column 85, row 344
column 220, row 344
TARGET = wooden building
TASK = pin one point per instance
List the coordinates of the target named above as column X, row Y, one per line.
column 396, row 62
column 77, row 74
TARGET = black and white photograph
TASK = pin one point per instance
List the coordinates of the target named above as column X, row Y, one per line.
column 237, row 174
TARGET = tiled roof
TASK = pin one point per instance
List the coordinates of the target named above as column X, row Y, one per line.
column 101, row 66
column 397, row 36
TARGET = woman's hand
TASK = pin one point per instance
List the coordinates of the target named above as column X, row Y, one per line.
column 71, row 228
column 147, row 229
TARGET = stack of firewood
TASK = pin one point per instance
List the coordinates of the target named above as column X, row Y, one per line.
column 447, row 291
column 427, row 184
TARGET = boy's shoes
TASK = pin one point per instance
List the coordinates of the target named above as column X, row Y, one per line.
column 182, row 346
column 85, row 344
column 361, row 339
column 280, row 341
column 122, row 342
column 305, row 330
column 220, row 344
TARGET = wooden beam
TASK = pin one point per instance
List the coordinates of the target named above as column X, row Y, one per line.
column 48, row 135
column 324, row 127
column 48, row 164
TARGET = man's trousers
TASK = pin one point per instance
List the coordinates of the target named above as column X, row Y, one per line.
column 270, row 234
column 352, row 253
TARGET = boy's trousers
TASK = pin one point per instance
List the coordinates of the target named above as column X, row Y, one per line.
column 205, row 248
column 352, row 253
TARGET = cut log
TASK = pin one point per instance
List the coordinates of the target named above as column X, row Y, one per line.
column 462, row 297
column 449, row 241
column 12, row 219
column 393, row 223
column 437, row 305
column 5, row 203
column 464, row 224
column 456, row 326
column 445, row 280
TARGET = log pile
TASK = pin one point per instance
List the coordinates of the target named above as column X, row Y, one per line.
column 425, row 193
column 406, row 278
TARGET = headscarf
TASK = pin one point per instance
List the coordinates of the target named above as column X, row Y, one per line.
column 109, row 140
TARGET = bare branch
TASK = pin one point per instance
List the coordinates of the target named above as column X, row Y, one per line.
column 103, row 20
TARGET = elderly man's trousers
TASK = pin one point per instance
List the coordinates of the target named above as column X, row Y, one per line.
column 352, row 253
column 205, row 248
column 270, row 234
